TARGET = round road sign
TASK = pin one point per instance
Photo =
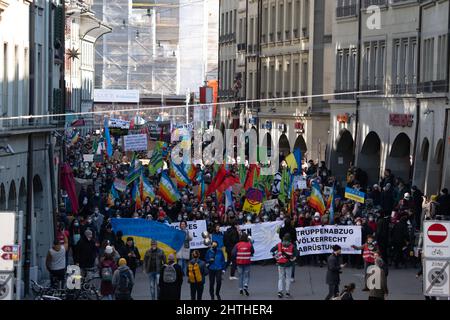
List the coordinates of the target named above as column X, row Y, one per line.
column 437, row 233
column 438, row 277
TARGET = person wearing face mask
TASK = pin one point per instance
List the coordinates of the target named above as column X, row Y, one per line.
column 230, row 239
column 85, row 252
column 184, row 253
column 285, row 254
column 97, row 219
column 242, row 252
column 369, row 248
column 215, row 261
column 75, row 233
column 317, row 220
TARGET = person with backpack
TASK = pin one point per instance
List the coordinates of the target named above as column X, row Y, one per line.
column 107, row 268
column 170, row 280
column 243, row 252
column 215, row 260
column 197, row 272
column 123, row 281
column 184, row 253
column 285, row 254
column 154, row 259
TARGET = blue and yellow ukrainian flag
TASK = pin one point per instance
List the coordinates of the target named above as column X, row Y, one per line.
column 169, row 239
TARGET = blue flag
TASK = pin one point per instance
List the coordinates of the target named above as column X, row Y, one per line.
column 109, row 149
column 298, row 158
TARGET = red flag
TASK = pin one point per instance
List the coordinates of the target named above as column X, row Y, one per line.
column 217, row 180
column 250, row 174
column 228, row 182
column 161, row 134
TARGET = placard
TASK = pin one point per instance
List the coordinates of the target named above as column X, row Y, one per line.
column 195, row 230
column 135, row 142
column 321, row 239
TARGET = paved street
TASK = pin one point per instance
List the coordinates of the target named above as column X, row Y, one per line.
column 309, row 285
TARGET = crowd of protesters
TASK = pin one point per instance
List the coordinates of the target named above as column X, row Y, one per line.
column 390, row 219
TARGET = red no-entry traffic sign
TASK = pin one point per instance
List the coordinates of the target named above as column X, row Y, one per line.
column 437, row 233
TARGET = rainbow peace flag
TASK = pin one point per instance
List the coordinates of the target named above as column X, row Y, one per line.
column 113, row 195
column 136, row 196
column 146, row 189
column 181, row 176
column 316, row 200
column 191, row 171
column 201, row 189
column 168, row 190
column 330, row 205
column 75, row 137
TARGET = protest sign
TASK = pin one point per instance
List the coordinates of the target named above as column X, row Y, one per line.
column 264, row 235
column 195, row 230
column 270, row 204
column 355, row 195
column 253, row 201
column 135, row 142
column 88, row 157
column 321, row 239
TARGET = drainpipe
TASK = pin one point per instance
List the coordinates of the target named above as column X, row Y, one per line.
column 358, row 77
column 417, row 120
column 29, row 209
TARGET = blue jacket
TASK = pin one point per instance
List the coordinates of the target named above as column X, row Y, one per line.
column 219, row 238
column 215, row 259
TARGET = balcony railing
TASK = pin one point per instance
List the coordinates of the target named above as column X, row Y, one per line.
column 410, row 88
column 368, row 3
column 433, row 86
column 346, row 11
column 343, row 95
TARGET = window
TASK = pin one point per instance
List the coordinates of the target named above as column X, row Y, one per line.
column 287, row 79
column 241, row 31
column 280, row 77
column 305, row 18
column 305, row 77
column 265, row 24
column 226, row 23
column 289, row 21
column 264, row 82
column 297, row 16
column 428, row 60
column 280, row 22
column 404, row 64
column 250, row 86
column 15, row 105
column 234, row 21
column 4, row 109
column 374, row 65
column 352, row 71
column 272, row 23
column 296, row 81
column 339, row 70
column 442, row 61
column 251, row 30
column 222, row 23
column 272, row 80
column 25, row 82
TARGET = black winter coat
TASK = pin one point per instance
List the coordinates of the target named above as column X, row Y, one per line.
column 334, row 270
column 230, row 238
column 170, row 291
column 85, row 253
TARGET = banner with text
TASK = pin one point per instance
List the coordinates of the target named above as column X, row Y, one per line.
column 321, row 239
column 135, row 142
column 195, row 229
column 264, row 235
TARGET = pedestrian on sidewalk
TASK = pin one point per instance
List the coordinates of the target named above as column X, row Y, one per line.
column 285, row 254
column 56, row 263
column 334, row 268
column 215, row 260
column 123, row 281
column 243, row 251
column 154, row 259
column 379, row 292
column 197, row 273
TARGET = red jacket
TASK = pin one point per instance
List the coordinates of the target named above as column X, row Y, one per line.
column 284, row 252
column 243, row 253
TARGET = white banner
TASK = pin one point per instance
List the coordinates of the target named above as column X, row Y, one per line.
column 119, row 123
column 318, row 240
column 195, row 229
column 264, row 235
column 135, row 142
column 111, row 95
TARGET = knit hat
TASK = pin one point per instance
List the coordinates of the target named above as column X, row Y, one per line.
column 434, row 197
column 171, row 257
column 161, row 214
column 122, row 262
column 88, row 233
column 154, row 242
column 108, row 250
